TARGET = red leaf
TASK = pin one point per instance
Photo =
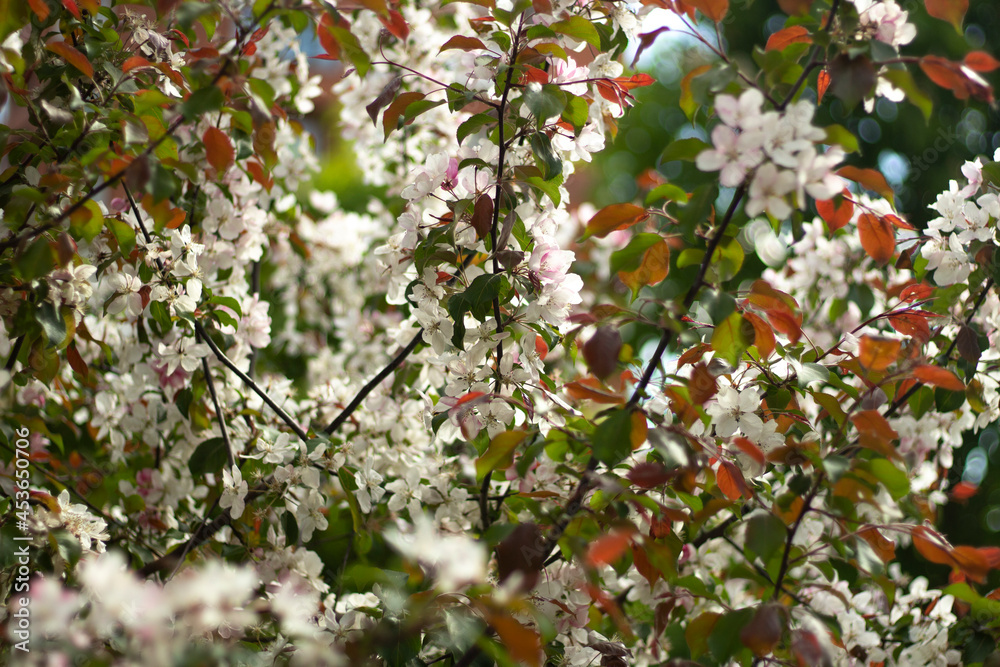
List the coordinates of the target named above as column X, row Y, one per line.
column 326, row 38
column 791, row 35
column 218, row 149
column 40, row 8
column 980, row 61
column 601, row 351
column 72, row 8
column 634, row 81
column 963, row 491
column 822, row 83
column 911, row 324
column 72, row 56
column 133, row 62
column 614, row 217
column 952, row 11
column 751, row 450
column 938, row 377
column 608, row 549
column 877, row 237
column 898, row 222
column 396, row 24
column 962, row 81
column 731, row 482
column 645, row 41
column 836, row 216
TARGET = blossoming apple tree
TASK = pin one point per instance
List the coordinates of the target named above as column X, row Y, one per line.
column 247, row 424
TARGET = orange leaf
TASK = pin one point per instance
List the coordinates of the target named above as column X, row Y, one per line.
column 693, row 355
column 836, row 216
column 962, row 81
column 462, row 43
column 916, row 292
column 716, row 10
column 952, row 11
column 963, row 491
column 980, row 61
column 72, row 56
column 590, row 389
column 877, row 237
column 883, row 546
column 869, row 178
column 764, row 335
column 702, row 385
column 938, row 377
column 653, row 269
column 218, row 149
column 791, row 35
column 822, row 83
column 614, row 217
column 731, row 482
column 41, row 9
column 608, row 549
column 523, row 644
column 898, row 222
column 911, row 324
column 878, row 353
column 396, row 24
column 751, row 450
column 874, row 432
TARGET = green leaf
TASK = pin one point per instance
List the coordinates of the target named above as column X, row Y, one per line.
column 893, row 479
column 52, row 323
column 902, row 79
column 201, row 102
column 477, row 299
column 683, row 149
column 732, row 337
column 612, row 439
column 765, row 533
column 347, row 483
column 499, row 454
column 544, row 103
column 630, row 257
column 209, row 457
column 123, row 233
column 36, row 261
column 724, row 641
column 545, row 158
column 350, row 47
column 576, row 112
column 229, row 302
column 667, row 191
column 840, row 135
column 473, row 125
column 579, row 29
column 550, row 188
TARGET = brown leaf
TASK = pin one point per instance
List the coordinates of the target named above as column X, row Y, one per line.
column 851, row 79
column 968, row 345
column 390, row 117
column 911, row 324
column 522, row 551
column 523, row 644
column 877, row 237
column 764, row 630
column 383, row 99
column 462, row 43
column 590, row 389
column 650, row 474
column 614, row 217
column 731, row 482
column 482, row 216
column 884, row 548
column 875, row 432
column 218, row 149
column 601, row 351
column 764, row 335
column 702, row 385
column 652, row 270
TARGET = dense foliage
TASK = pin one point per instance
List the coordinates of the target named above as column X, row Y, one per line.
column 249, row 421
